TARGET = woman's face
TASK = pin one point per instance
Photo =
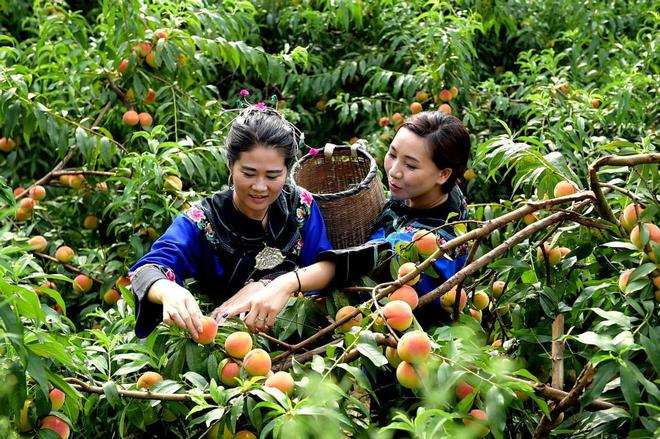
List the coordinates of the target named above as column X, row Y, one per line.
column 259, row 176
column 411, row 173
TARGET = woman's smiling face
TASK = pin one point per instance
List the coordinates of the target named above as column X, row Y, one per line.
column 259, row 176
column 411, row 173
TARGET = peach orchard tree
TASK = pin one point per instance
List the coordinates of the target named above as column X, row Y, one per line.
column 112, row 121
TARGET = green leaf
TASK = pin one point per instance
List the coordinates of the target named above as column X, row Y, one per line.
column 111, row 393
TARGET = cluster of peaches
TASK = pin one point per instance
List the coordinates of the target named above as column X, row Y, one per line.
column 51, row 422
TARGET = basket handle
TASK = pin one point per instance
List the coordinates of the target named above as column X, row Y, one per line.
column 329, row 148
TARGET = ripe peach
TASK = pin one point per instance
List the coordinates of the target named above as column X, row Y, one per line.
column 477, row 315
column 410, row 376
column 281, row 380
column 238, row 344
column 257, row 362
column 480, row 300
column 384, row 121
column 131, row 118
column 150, row 98
column 477, row 422
column 76, row 181
column 142, row 49
column 415, row 107
column 38, row 243
column 161, row 34
column 425, row 242
column 151, row 60
column 564, row 188
column 630, row 216
column 554, row 254
column 228, row 372
column 392, row 356
column 56, row 399
column 406, row 268
column 82, row 284
column 414, row 347
column 23, row 214
column 172, row 183
column 64, row 179
column 6, row 144
column 320, row 105
column 530, row 218
column 91, row 222
column 498, row 288
column 19, row 190
column 64, row 254
column 398, row 315
column 653, row 235
column 445, row 108
column 624, row 277
column 407, row 294
column 463, row 389
column 245, row 434
column 564, row 251
column 343, row 312
column 595, row 103
column 148, row 379
column 57, row 425
column 446, row 95
column 421, row 96
column 145, row 119
column 123, row 65
column 26, row 203
column 469, row 175
column 454, row 91
column 449, row 298
column 396, row 118
column 656, row 282
column 37, row 192
column 209, row 331
column 497, row 343
column 111, row 296
column 122, row 282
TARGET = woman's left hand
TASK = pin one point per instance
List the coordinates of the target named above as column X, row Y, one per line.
column 263, row 306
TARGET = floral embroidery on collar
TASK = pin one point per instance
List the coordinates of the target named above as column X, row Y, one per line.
column 306, row 198
column 198, row 216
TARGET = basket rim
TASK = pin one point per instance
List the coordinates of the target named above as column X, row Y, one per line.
column 363, row 185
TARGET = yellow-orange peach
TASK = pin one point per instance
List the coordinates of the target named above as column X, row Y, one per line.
column 23, row 214
column 384, row 121
column 38, row 243
column 150, row 98
column 445, row 108
column 19, row 190
column 257, row 362
column 91, row 222
column 392, row 356
column 82, row 284
column 26, row 203
column 448, row 299
column 463, row 389
column 281, row 380
column 653, row 234
column 76, row 181
column 476, row 314
column 595, row 103
column 421, row 96
column 64, row 254
column 630, row 216
column 238, row 344
column 145, row 119
column 209, row 330
column 656, row 282
column 343, row 312
column 6, row 144
column 148, row 379
column 123, row 65
column 469, row 175
column 425, row 242
column 498, row 288
column 396, row 118
column 142, row 49
column 414, row 347
column 446, row 95
column 415, row 107
column 122, row 282
column 131, row 118
column 245, row 434
column 228, row 373
column 454, row 91
column 410, row 376
column 564, row 188
column 398, row 315
column 56, row 399
column 553, row 254
column 497, row 343
column 477, row 422
column 407, row 294
column 111, row 296
column 172, row 183
column 624, row 277
column 564, row 251
column 406, row 268
column 57, row 425
column 480, row 300
column 530, row 218
column 37, row 192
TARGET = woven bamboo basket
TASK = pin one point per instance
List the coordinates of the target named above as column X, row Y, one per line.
column 344, row 182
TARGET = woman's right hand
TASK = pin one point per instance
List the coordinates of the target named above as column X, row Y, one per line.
column 179, row 306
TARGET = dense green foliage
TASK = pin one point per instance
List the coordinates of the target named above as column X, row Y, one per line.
column 545, row 88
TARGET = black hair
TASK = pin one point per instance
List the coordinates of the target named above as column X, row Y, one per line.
column 261, row 127
column 448, row 139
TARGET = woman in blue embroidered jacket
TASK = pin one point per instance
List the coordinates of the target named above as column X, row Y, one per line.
column 425, row 159
column 245, row 242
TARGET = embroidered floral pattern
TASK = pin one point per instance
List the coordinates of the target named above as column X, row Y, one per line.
column 306, row 198
column 198, row 216
column 170, row 275
column 298, row 247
